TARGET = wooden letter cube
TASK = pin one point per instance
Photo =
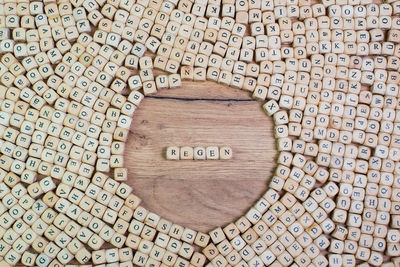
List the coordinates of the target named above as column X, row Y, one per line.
column 199, row 153
column 186, row 152
column 225, row 152
column 212, row 152
column 173, row 153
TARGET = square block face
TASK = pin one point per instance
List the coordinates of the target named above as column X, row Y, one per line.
column 186, row 152
column 225, row 152
column 199, row 153
column 173, row 153
column 212, row 152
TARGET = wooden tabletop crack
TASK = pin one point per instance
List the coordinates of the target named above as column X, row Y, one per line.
column 203, row 99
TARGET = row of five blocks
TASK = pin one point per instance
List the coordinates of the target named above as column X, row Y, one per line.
column 198, row 153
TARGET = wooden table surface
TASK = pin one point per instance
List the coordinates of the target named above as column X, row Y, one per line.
column 200, row 194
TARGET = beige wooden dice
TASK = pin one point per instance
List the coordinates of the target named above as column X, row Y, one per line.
column 173, row 153
column 199, row 153
column 225, row 152
column 186, row 153
column 212, row 153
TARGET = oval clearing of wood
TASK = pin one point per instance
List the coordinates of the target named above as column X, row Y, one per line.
column 200, row 195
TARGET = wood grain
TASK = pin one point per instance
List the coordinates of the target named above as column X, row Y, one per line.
column 200, row 194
